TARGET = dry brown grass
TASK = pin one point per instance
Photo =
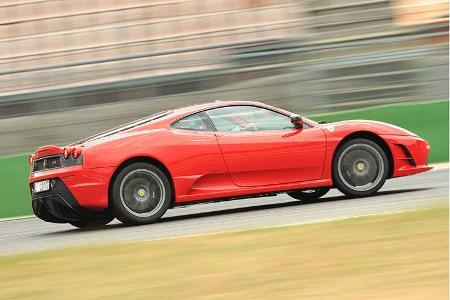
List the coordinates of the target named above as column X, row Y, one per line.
column 398, row 256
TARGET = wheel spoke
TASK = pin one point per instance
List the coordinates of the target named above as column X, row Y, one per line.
column 360, row 180
column 142, row 192
column 360, row 167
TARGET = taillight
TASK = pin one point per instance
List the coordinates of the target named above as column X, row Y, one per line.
column 66, row 153
column 30, row 159
column 76, row 152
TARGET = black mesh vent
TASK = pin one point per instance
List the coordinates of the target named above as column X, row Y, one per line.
column 55, row 161
column 408, row 155
column 50, row 162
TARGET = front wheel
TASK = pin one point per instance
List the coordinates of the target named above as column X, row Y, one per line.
column 309, row 195
column 141, row 194
column 360, row 168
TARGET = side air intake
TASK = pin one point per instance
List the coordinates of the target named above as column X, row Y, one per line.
column 408, row 157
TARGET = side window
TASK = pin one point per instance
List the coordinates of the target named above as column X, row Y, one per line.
column 248, row 118
column 195, row 122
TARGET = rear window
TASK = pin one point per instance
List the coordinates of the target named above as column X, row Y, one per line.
column 126, row 126
column 195, row 122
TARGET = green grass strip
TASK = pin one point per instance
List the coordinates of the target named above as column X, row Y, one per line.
column 15, row 197
column 428, row 120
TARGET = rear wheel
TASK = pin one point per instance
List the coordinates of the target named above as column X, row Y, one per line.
column 309, row 195
column 141, row 194
column 360, row 168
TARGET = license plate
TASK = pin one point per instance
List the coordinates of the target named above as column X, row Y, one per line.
column 41, row 186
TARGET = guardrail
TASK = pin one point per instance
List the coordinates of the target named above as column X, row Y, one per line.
column 259, row 59
column 325, row 74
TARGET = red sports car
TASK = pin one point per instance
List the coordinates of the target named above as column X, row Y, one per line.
column 215, row 151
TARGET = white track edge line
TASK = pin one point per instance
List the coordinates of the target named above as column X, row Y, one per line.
column 272, row 226
column 436, row 167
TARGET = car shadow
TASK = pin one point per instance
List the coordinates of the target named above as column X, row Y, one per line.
column 236, row 210
column 278, row 205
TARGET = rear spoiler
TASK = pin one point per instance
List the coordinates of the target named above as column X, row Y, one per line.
column 47, row 151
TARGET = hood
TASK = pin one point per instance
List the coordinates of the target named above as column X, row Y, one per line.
column 377, row 127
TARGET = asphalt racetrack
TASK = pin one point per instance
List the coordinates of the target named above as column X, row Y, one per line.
column 400, row 194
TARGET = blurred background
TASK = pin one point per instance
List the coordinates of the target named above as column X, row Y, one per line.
column 70, row 68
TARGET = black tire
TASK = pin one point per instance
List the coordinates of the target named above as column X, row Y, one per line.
column 141, row 194
column 360, row 168
column 92, row 223
column 310, row 194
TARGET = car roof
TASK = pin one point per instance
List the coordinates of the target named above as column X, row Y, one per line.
column 218, row 103
column 181, row 112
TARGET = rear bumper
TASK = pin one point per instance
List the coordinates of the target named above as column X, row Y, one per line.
column 59, row 205
column 88, row 186
column 76, row 193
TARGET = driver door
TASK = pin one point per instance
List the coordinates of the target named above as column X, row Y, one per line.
column 261, row 147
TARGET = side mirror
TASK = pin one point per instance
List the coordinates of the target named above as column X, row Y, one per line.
column 297, row 121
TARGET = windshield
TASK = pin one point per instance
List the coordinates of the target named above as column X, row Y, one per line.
column 125, row 127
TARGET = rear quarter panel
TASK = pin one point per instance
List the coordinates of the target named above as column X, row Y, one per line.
column 192, row 158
